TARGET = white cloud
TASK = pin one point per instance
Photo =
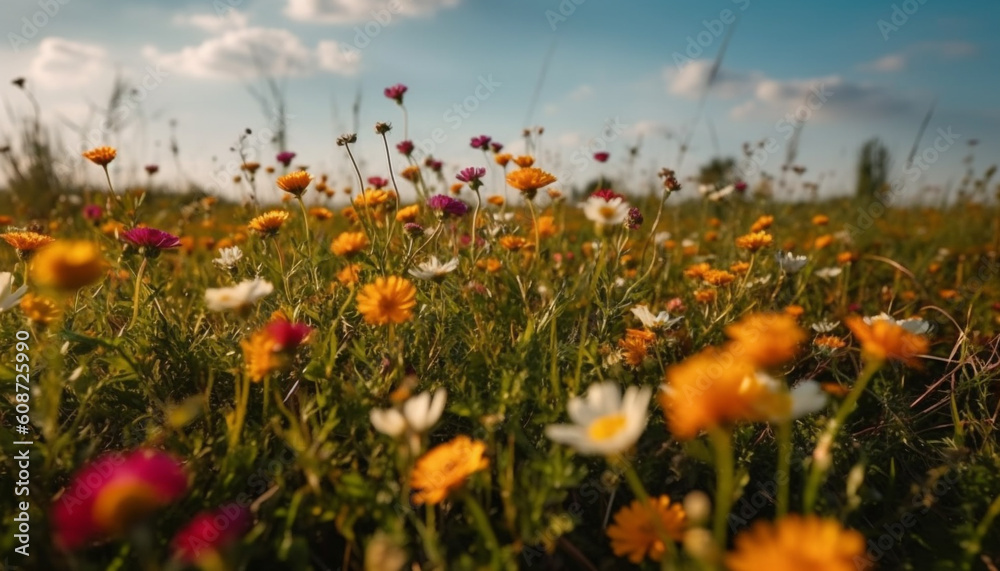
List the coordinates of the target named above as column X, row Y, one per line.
column 65, row 63
column 582, row 92
column 764, row 97
column 921, row 51
column 353, row 11
column 214, row 23
column 248, row 52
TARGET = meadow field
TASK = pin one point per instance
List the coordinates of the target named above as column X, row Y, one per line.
column 416, row 366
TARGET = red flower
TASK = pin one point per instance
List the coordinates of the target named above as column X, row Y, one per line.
column 601, row 156
column 287, row 336
column 211, row 531
column 396, row 92
column 114, row 492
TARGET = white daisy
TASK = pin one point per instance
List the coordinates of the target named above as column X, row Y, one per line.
column 828, row 273
column 604, row 423
column 789, row 262
column 661, row 320
column 8, row 298
column 605, row 212
column 239, row 296
column 228, row 257
column 914, row 325
column 721, row 193
column 433, row 269
column 806, row 398
column 419, row 414
column 824, row 326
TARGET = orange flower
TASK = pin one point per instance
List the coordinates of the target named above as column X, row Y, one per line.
column 372, row 197
column 823, row 241
column 635, row 345
column 754, row 241
column 740, row 268
column 697, row 271
column 762, row 223
column 718, row 277
column 705, row 296
column 294, row 183
column 546, row 226
column 524, row 161
column 529, row 180
column 26, row 242
column 445, row 468
column 796, row 543
column 38, row 309
column 495, row 200
column 349, row 275
column 514, row 243
column 388, row 300
column 411, row 173
column 821, row 220
column 502, row 159
column 101, row 155
column 269, row 223
column 765, row 339
column 635, row 532
column 320, row 213
column 68, row 265
column 884, row 340
column 408, row 213
column 349, row 243
column 829, row 342
column 491, row 265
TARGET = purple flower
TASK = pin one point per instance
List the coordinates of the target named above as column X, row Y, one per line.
column 285, row 157
column 469, row 174
column 634, row 219
column 93, row 212
column 433, row 164
column 396, row 92
column 413, row 229
column 481, row 142
column 406, row 147
column 150, row 240
column 496, row 147
column 447, row 206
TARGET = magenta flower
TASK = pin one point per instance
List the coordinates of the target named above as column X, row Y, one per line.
column 445, row 205
column 285, row 158
column 114, row 492
column 496, row 147
column 210, row 532
column 413, row 229
column 396, row 92
column 473, row 176
column 634, row 220
column 152, row 169
column 287, row 336
column 405, row 148
column 378, row 182
column 741, row 186
column 433, row 164
column 481, row 142
column 150, row 240
column 601, row 156
column 607, row 194
column 93, row 212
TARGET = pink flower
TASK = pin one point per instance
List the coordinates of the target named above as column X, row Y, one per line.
column 405, row 148
column 473, row 176
column 480, row 142
column 396, row 92
column 445, row 205
column 601, row 156
column 378, row 182
column 93, row 212
column 150, row 240
column 495, row 147
column 285, row 157
column 210, row 532
column 607, row 194
column 114, row 492
column 287, row 336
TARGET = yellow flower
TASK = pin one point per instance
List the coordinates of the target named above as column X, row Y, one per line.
column 718, row 277
column 513, row 243
column 68, row 265
column 762, row 223
column 529, row 180
column 269, row 223
column 349, row 275
column 294, row 183
column 766, row 339
column 349, row 243
column 101, row 155
column 754, row 241
column 829, row 342
column 502, row 159
column 524, row 161
column 371, row 197
column 714, row 388
column 260, row 356
column 40, row 310
column 821, row 220
column 445, row 468
column 388, row 300
column 796, row 543
column 635, row 533
column 26, row 242
column 823, row 241
column 411, row 173
column 546, row 226
column 408, row 213
column 495, row 200
column 320, row 213
column 491, row 265
column 884, row 339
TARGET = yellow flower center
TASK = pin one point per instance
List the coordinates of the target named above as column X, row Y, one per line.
column 121, row 503
column 607, row 211
column 606, row 427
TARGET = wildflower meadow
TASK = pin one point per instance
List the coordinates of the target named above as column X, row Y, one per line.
column 411, row 364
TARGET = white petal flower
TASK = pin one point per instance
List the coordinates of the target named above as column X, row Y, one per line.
column 650, row 321
column 789, row 262
column 807, row 397
column 422, row 411
column 824, row 326
column 914, row 325
column 433, row 269
column 604, row 422
column 828, row 273
column 8, row 298
column 228, row 257
column 721, row 193
column 388, row 421
column 605, row 212
column 239, row 296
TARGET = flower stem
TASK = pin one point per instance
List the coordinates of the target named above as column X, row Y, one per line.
column 821, row 460
column 485, row 529
column 784, row 465
column 138, row 291
column 723, row 446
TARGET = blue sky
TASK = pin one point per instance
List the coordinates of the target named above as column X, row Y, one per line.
column 636, row 66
